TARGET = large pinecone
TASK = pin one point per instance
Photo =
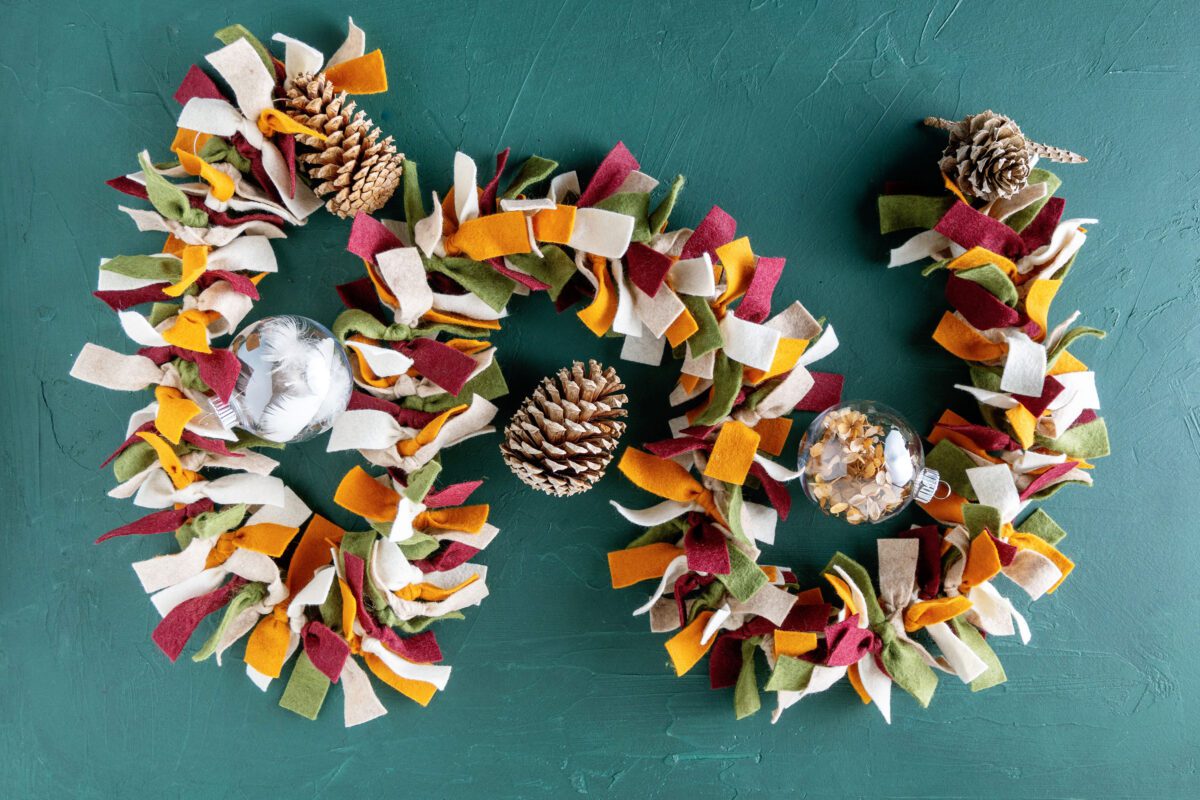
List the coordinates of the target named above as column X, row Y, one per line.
column 355, row 167
column 563, row 436
column 988, row 157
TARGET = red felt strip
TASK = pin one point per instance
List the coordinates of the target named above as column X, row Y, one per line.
column 716, row 229
column 669, row 448
column 236, row 280
column 777, row 493
column 254, row 156
column 172, row 634
column 286, row 143
column 448, row 368
column 984, row 437
column 451, row 556
column 846, row 643
column 220, row 218
column 421, row 648
column 487, row 200
column 408, row 417
column 1007, row 552
column 1037, row 406
column 967, row 227
column 826, row 392
column 326, row 649
column 647, row 268
column 1087, row 416
column 707, row 550
column 978, row 306
column 197, row 84
column 369, row 237
column 121, row 299
column 219, row 369
column 160, row 521
column 929, row 560
column 360, row 294
column 611, row 173
column 1048, row 477
column 1039, row 231
column 453, row 495
column 724, row 662
column 527, row 281
column 756, row 305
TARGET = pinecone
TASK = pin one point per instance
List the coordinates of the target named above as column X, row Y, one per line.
column 355, row 166
column 988, row 156
column 563, row 436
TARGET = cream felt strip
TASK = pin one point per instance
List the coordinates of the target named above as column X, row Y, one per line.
column 769, row 602
column 467, row 305
column 759, row 522
column 392, row 569
column 714, row 623
column 298, row 57
column 658, row 312
column 139, row 329
column 562, row 185
column 528, row 205
column 244, row 563
column 1023, row 461
column 383, row 361
column 1074, row 241
column 1079, row 394
column 366, row 429
column 242, row 624
column 671, row 243
column 602, row 233
column 749, row 343
column 961, row 659
column 157, row 492
column 427, row 232
column 1059, row 249
column 292, row 514
column 776, row 470
column 1004, row 207
column 247, row 197
column 404, row 274
column 821, row 679
column 877, row 685
column 782, row 399
column 795, row 322
column 125, row 373
column 989, row 606
column 926, row 244
column 1033, row 572
column 856, row 594
column 664, row 616
column 656, row 514
column 162, row 571
column 644, row 349
column 313, row 594
column 897, row 573
column 819, row 349
column 216, row 235
column 989, row 398
column 193, row 586
column 1060, row 330
column 232, row 307
column 239, row 64
column 477, row 540
column 1024, row 366
column 437, row 674
column 470, row 595
column 466, row 191
column 626, row 321
column 247, row 461
column 638, row 182
column 354, row 45
column 360, row 702
column 681, row 395
column 407, row 512
column 995, row 487
column 701, row 367
column 693, row 276
column 674, row 570
column 244, row 254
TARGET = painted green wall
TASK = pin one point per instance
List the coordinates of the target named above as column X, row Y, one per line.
column 788, row 114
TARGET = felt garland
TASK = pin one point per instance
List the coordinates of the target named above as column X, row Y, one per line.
column 416, row 330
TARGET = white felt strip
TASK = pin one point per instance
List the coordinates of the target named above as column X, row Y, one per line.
column 298, row 57
column 655, row 514
column 562, row 185
column 960, row 658
column 214, row 235
column 877, row 685
column 383, row 361
column 366, row 429
column 528, row 205
column 437, row 674
column 162, row 571
column 626, row 321
column 714, row 623
column 995, row 487
column 749, row 343
column 313, row 594
column 157, row 492
column 600, row 232
column 926, row 244
column 759, row 522
column 989, row 398
column 470, row 595
column 674, row 570
column 1024, row 366
column 404, row 273
column 782, row 399
column 821, row 348
column 139, row 329
column 1033, row 572
column 466, row 191
column 657, row 312
column 821, row 679
column 292, row 514
column 693, row 276
column 468, row 305
column 354, row 45
column 643, row 349
column 427, row 232
column 394, row 570
column 199, row 584
column 245, row 254
column 239, row 64
column 407, row 512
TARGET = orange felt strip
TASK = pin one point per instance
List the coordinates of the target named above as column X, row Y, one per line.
column 459, row 319
column 810, row 597
column 978, row 257
column 1028, row 541
column 364, row 368
column 772, row 572
column 732, row 453
column 1066, row 363
column 983, row 561
column 786, row 355
column 167, row 459
column 349, row 614
column 312, row 552
column 272, row 121
column 661, row 476
column 952, row 187
column 930, row 612
column 950, row 418
column 843, row 591
column 381, row 289
column 429, row 593
column 682, row 328
column 195, row 261
column 962, row 340
column 175, row 410
column 685, row 648
column 794, row 643
column 468, row 346
column 738, row 260
column 688, row 382
column 1037, row 302
column 773, row 433
column 189, row 141
column 1023, row 424
column 265, row 537
column 363, row 495
column 554, row 225
column 427, row 434
column 468, row 519
column 856, row 682
column 636, row 564
column 220, row 184
column 173, row 246
column 266, row 649
column 418, row 691
column 598, row 317
column 493, row 236
column 946, row 509
column 189, row 331
column 362, row 75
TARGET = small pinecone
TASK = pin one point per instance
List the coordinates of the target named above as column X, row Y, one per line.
column 563, row 436
column 355, row 167
column 988, row 157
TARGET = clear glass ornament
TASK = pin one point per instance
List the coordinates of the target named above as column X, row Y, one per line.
column 863, row 462
column 294, row 382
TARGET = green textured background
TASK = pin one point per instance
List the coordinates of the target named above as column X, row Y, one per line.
column 789, row 115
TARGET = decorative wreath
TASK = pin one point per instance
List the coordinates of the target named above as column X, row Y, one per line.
column 416, row 333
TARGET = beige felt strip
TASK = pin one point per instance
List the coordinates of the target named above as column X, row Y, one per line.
column 658, row 312
column 404, row 274
column 167, row 570
column 353, row 46
column 769, row 602
column 1033, row 572
column 103, row 367
column 897, row 572
column 361, row 703
column 795, row 322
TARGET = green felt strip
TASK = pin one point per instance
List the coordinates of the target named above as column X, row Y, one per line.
column 972, row 638
column 555, row 267
column 1066, row 268
column 161, row 312
column 331, row 608
column 733, row 512
column 189, row 375
column 710, row 598
column 1043, row 526
column 952, row 463
column 762, row 390
column 250, row 595
column 140, row 455
column 1089, row 440
column 416, row 624
column 306, row 689
column 744, row 578
column 150, row 268
column 934, row 267
column 168, row 199
column 1069, row 337
column 210, row 524
column 488, row 384
column 862, row 579
column 361, row 544
column 217, row 149
column 418, row 546
column 707, row 337
column 247, row 440
column 535, row 170
column 1055, row 488
column 232, row 33
column 727, row 381
column 978, row 518
column 790, row 675
column 906, row 666
column 414, row 204
column 898, row 212
column 1020, row 220
column 420, row 481
column 662, row 212
column 986, row 377
column 992, row 278
column 631, row 204
column 745, row 691
column 670, row 531
column 480, row 279
column 356, row 320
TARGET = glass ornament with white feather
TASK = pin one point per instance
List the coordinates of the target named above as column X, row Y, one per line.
column 294, row 381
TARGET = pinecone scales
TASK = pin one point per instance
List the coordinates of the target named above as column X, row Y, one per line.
column 989, row 157
column 564, row 435
column 355, row 167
